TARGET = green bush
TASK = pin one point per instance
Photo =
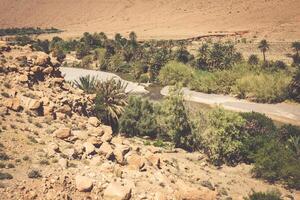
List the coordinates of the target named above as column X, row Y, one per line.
column 139, row 118
column 175, row 72
column 269, row 195
column 276, row 162
column 294, row 87
column 174, row 120
column 223, row 138
column 267, row 88
column 253, row 60
column 259, row 129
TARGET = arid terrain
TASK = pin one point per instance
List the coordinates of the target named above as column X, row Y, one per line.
column 160, row 19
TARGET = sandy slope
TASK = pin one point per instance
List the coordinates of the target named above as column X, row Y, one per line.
column 274, row 19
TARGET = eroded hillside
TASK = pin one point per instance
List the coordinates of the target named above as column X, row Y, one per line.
column 271, row 19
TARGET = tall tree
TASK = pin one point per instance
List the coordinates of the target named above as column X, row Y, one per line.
column 264, row 47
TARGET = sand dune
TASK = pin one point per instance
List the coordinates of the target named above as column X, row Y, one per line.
column 273, row 19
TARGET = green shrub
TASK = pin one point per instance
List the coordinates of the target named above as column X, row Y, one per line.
column 139, row 118
column 173, row 119
column 174, row 72
column 269, row 195
column 87, row 61
column 259, row 129
column 263, row 87
column 204, row 82
column 294, row 87
column 223, row 138
column 276, row 162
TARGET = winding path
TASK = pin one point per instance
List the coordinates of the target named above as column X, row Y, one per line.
column 284, row 112
column 72, row 74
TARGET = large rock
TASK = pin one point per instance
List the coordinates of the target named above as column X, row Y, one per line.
column 23, row 78
column 29, row 103
column 154, row 160
column 42, row 59
column 116, row 191
column 120, row 151
column 89, row 148
column 107, row 136
column 94, row 121
column 135, row 161
column 83, row 184
column 105, row 149
column 186, row 192
column 62, row 133
column 13, row 104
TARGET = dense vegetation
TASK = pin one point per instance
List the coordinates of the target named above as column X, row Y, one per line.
column 269, row 195
column 215, row 68
column 27, row 31
column 226, row 137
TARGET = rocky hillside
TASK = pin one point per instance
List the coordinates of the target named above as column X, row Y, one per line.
column 53, row 148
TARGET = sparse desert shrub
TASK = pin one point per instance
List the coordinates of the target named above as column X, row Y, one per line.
column 32, row 139
column 223, row 137
column 174, row 72
column 44, row 162
column 4, row 156
column 253, row 60
column 139, row 118
column 269, row 195
column 87, row 61
column 4, row 176
column 34, row 174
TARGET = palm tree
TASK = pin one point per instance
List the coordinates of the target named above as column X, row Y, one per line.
column 264, row 46
column 87, row 83
column 110, row 101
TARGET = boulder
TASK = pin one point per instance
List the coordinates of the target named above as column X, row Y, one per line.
column 116, row 191
column 42, row 59
column 107, row 136
column 23, row 78
column 119, row 152
column 29, row 103
column 63, row 163
column 62, row 133
column 83, row 184
column 135, row 161
column 48, row 70
column 105, row 149
column 94, row 121
column 13, row 104
column 154, row 160
column 89, row 148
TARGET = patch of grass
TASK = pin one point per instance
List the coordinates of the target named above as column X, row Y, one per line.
column 269, row 195
column 159, row 143
column 4, row 176
column 34, row 174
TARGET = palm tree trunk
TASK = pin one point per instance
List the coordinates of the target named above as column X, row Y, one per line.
column 264, row 54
